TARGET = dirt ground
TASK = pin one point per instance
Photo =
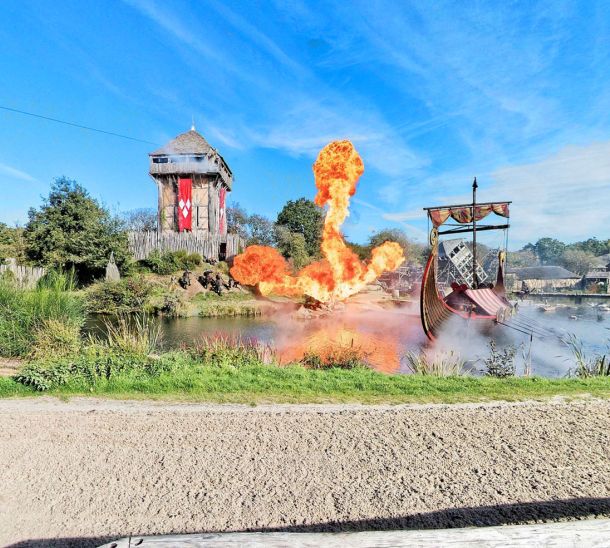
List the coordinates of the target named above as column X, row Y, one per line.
column 82, row 472
column 9, row 366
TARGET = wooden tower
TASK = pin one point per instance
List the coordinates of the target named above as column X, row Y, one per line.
column 192, row 179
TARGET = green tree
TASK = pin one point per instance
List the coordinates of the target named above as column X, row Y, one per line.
column 72, row 230
column 363, row 251
column 304, row 217
column 549, row 250
column 11, row 243
column 593, row 246
column 292, row 246
column 578, row 261
column 414, row 252
column 523, row 258
column 260, row 230
column 237, row 220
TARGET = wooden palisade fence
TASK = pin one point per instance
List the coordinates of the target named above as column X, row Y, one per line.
column 25, row 276
column 210, row 246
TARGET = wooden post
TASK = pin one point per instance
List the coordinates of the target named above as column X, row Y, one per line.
column 475, row 282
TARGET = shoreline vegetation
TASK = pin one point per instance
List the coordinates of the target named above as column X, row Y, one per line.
column 192, row 381
column 43, row 327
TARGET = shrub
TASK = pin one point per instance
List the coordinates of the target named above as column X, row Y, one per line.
column 160, row 263
column 439, row 364
column 500, row 363
column 171, row 261
column 55, row 338
column 170, row 305
column 339, row 357
column 126, row 295
column 94, row 364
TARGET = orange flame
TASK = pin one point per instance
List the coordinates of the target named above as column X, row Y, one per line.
column 341, row 273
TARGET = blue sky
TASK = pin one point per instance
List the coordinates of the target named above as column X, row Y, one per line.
column 431, row 94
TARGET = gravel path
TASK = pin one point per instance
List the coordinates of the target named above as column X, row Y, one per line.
column 88, row 470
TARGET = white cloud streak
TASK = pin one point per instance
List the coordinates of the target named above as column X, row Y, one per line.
column 565, row 196
column 288, row 107
column 14, row 173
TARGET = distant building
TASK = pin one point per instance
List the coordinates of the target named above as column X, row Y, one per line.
column 192, row 180
column 598, row 279
column 602, row 262
column 543, row 278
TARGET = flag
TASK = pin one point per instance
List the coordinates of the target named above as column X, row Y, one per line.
column 185, row 205
column 223, row 211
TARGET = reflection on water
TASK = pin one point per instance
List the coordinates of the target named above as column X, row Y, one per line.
column 384, row 335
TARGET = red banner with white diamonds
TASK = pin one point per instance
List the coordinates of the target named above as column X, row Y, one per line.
column 185, row 204
column 223, row 211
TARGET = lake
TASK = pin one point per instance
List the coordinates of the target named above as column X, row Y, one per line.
column 385, row 335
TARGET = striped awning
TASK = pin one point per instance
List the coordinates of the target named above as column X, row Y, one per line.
column 464, row 214
column 487, row 300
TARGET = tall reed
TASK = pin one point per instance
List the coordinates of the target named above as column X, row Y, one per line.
column 230, row 350
column 438, row 364
column 596, row 365
column 24, row 312
column 130, row 334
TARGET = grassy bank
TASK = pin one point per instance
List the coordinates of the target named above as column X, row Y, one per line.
column 43, row 326
column 179, row 376
column 157, row 295
column 211, row 305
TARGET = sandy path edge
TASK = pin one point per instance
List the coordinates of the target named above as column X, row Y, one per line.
column 91, row 469
column 85, row 403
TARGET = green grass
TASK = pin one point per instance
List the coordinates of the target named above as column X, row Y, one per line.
column 211, row 308
column 178, row 376
column 233, row 296
column 24, row 313
column 211, row 305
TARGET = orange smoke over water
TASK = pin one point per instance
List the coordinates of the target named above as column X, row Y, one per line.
column 379, row 349
column 341, row 273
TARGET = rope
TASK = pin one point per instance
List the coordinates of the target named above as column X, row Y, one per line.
column 88, row 128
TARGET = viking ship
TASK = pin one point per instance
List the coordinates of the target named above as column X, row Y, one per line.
column 475, row 299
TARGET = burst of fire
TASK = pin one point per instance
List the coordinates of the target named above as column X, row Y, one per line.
column 341, row 273
column 380, row 350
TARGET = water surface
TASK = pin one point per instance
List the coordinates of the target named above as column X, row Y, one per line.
column 385, row 335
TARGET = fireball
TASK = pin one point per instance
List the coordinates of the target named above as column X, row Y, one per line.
column 341, row 273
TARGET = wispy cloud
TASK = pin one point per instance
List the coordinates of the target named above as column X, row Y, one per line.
column 288, row 106
column 14, row 173
column 410, row 229
column 564, row 196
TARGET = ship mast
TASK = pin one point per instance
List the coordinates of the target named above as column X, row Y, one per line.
column 475, row 282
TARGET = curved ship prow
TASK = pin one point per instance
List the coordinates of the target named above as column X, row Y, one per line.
column 476, row 299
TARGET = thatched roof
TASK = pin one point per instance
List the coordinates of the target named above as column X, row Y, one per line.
column 598, row 275
column 190, row 142
column 543, row 273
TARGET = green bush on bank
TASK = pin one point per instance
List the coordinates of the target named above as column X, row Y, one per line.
column 171, row 261
column 122, row 297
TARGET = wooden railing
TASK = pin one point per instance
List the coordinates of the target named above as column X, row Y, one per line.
column 179, row 168
column 210, row 246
